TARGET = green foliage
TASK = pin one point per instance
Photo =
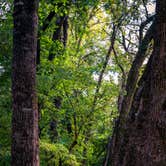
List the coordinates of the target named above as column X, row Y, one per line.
column 53, row 154
column 76, row 119
column 5, row 83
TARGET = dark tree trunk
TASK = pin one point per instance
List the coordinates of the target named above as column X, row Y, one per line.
column 144, row 137
column 126, row 102
column 54, row 120
column 25, row 112
column 43, row 28
column 61, row 24
column 65, row 30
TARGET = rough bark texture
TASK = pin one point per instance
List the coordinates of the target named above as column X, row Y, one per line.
column 124, row 105
column 25, row 112
column 144, row 136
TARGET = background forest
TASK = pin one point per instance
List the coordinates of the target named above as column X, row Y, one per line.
column 86, row 52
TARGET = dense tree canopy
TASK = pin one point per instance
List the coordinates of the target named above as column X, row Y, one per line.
column 91, row 58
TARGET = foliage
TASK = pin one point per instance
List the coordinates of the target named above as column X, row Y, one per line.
column 52, row 154
column 77, row 112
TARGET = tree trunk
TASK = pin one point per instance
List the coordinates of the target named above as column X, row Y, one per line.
column 144, row 138
column 126, row 102
column 25, row 112
column 60, row 33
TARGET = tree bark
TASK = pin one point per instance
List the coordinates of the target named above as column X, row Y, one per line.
column 125, row 104
column 24, row 148
column 144, row 137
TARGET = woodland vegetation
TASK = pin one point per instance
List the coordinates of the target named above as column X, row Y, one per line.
column 82, row 83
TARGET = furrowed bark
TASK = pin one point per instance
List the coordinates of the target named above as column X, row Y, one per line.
column 24, row 148
column 144, row 137
column 131, row 84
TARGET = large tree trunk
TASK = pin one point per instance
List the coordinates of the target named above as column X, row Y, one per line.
column 25, row 112
column 144, row 136
column 126, row 102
